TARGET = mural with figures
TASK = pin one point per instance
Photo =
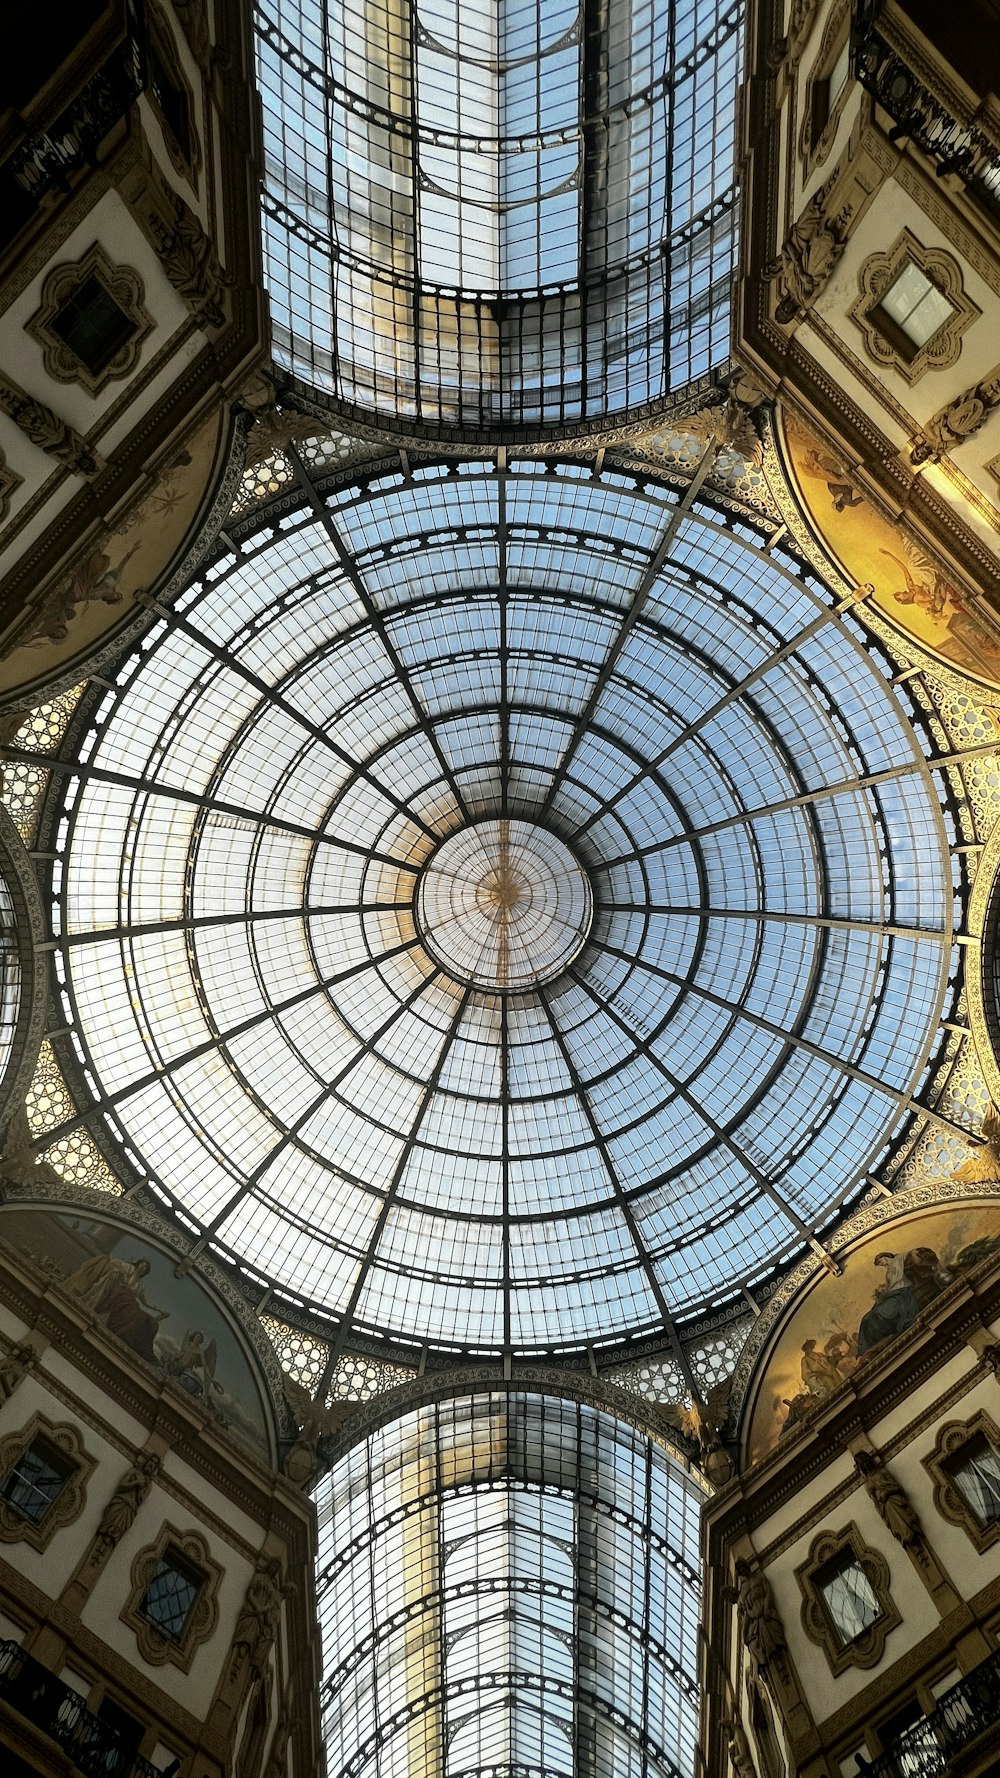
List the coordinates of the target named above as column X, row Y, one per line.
column 843, row 1323
column 907, row 587
column 131, row 1285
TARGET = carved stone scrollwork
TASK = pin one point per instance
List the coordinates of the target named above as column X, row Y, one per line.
column 958, row 420
column 186, row 253
column 812, row 247
column 45, row 429
column 10, row 481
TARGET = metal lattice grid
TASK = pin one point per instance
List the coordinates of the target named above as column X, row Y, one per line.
column 423, row 1156
column 509, row 1583
column 502, row 211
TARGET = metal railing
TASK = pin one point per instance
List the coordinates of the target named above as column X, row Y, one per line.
column 95, row 1748
column 919, row 116
column 962, row 1715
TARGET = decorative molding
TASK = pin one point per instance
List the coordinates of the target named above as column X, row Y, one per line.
column 952, row 1438
column 10, row 481
column 959, row 420
column 877, row 275
column 867, row 1649
column 155, row 1646
column 814, row 151
column 186, row 164
column 124, row 285
column 187, row 254
column 45, row 429
column 67, row 1441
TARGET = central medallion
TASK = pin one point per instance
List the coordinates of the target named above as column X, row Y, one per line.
column 504, row 904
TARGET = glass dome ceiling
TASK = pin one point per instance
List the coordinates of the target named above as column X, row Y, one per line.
column 505, row 909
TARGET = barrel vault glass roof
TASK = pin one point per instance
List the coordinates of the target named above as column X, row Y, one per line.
column 637, row 1060
column 499, row 212
column 509, row 1585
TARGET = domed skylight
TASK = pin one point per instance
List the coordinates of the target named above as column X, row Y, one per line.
column 505, row 910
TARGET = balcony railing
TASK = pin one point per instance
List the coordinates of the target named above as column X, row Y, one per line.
column 919, row 116
column 962, row 1715
column 95, row 1748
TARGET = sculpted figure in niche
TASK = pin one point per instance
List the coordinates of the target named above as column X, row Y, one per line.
column 811, row 250
column 127, row 1498
column 257, row 1623
column 739, row 1748
column 761, row 1628
column 14, row 1367
column 890, row 1501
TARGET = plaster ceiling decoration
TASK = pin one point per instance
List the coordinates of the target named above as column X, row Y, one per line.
column 507, row 910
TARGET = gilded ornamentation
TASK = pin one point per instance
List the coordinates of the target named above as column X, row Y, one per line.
column 45, row 429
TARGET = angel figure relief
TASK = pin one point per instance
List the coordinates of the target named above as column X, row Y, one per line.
column 702, row 1424
column 315, row 1422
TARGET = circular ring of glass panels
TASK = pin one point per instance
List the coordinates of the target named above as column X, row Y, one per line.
column 504, row 905
column 426, row 1157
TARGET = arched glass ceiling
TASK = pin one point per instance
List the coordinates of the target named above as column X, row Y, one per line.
column 505, row 909
column 499, row 212
column 509, row 1585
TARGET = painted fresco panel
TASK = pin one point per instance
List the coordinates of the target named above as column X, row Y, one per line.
column 131, row 1285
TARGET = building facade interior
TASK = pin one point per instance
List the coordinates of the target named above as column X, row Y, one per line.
column 499, row 889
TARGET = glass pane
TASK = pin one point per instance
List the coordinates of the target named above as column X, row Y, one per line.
column 34, row 1482
column 978, row 1479
column 169, row 1596
column 509, row 1584
column 850, row 1600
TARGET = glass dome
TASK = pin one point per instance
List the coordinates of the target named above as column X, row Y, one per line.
column 505, row 910
column 501, row 212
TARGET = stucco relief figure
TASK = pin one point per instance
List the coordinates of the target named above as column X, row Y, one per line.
column 760, row 1626
column 257, row 1624
column 739, row 1748
column 14, row 1367
column 811, row 249
column 121, row 1510
column 890, row 1501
